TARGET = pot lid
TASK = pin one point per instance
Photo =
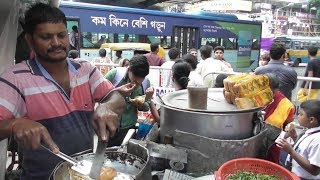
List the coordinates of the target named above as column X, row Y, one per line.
column 216, row 102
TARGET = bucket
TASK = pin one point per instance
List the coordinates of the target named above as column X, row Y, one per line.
column 197, row 97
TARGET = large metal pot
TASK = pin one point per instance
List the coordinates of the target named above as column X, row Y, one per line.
column 220, row 120
column 131, row 165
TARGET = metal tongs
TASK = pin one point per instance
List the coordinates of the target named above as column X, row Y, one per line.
column 93, row 168
column 80, row 166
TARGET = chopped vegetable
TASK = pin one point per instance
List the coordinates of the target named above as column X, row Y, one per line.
column 242, row 175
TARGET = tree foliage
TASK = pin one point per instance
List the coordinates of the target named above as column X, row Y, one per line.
column 314, row 3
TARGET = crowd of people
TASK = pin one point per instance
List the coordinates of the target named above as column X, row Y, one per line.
column 50, row 98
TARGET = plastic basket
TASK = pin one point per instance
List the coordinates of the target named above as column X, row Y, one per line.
column 253, row 165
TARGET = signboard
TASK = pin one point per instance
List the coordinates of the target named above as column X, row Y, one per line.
column 103, row 21
column 224, row 5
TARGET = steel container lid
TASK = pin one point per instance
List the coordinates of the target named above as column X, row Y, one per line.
column 216, row 102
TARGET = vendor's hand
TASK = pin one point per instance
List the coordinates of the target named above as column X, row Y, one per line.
column 30, row 134
column 283, row 144
column 105, row 121
column 126, row 89
column 149, row 93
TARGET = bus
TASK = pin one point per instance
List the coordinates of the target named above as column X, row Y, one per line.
column 98, row 24
column 297, row 47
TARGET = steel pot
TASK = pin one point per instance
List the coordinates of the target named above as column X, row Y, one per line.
column 131, row 165
column 220, row 120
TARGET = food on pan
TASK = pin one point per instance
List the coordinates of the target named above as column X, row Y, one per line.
column 247, row 90
column 107, row 173
column 243, row 175
column 138, row 99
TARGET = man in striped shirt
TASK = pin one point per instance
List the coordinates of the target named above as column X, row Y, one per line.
column 50, row 99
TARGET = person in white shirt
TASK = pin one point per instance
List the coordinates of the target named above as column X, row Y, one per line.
column 103, row 59
column 218, row 54
column 208, row 66
column 174, row 55
column 194, row 52
column 304, row 156
column 195, row 78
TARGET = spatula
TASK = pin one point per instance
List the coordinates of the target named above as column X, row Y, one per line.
column 98, row 159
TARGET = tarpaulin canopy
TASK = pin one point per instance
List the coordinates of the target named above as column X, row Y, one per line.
column 266, row 43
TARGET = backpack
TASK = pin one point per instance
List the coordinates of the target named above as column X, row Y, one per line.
column 121, row 73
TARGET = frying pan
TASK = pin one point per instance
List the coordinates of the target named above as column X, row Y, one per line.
column 128, row 166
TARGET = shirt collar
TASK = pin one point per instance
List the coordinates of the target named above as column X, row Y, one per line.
column 275, row 62
column 312, row 130
column 37, row 69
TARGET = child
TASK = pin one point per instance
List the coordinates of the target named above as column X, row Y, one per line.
column 305, row 154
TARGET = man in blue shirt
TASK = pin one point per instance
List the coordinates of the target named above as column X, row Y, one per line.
column 286, row 74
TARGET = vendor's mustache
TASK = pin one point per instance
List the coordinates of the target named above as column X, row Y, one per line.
column 57, row 48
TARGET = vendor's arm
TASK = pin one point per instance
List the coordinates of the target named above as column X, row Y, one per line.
column 106, row 116
column 29, row 134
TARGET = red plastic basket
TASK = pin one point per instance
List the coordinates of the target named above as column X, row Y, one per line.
column 254, row 165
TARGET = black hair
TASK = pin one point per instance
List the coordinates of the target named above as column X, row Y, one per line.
column 124, row 62
column 206, row 51
column 274, row 81
column 154, row 46
column 42, row 13
column 218, row 48
column 75, row 28
column 191, row 60
column 312, row 50
column 277, row 50
column 192, row 49
column 180, row 73
column 102, row 52
column 118, row 53
column 311, row 108
column 219, row 80
column 174, row 53
column 139, row 65
column 73, row 54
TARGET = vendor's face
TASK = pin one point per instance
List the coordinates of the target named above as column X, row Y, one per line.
column 49, row 41
column 218, row 54
column 135, row 79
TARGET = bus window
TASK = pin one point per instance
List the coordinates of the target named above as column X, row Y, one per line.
column 256, row 44
column 165, row 42
column 210, row 41
column 94, row 40
column 296, row 45
column 230, row 43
